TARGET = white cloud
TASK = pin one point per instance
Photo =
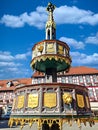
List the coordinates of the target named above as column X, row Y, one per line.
column 84, row 59
column 74, row 15
column 63, row 15
column 6, row 56
column 36, row 18
column 14, row 69
column 12, row 66
column 92, row 39
column 22, row 56
column 12, row 21
column 73, row 42
column 8, row 64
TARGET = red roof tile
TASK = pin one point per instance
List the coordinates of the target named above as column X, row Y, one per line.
column 3, row 83
column 38, row 74
column 82, row 70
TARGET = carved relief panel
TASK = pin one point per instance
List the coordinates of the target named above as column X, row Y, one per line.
column 60, row 49
column 50, row 48
column 32, row 100
column 50, row 100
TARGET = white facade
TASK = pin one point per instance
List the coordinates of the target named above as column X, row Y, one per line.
column 85, row 80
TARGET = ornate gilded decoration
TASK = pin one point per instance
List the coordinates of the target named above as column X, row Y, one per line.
column 67, row 98
column 80, row 100
column 49, row 121
column 87, row 102
column 50, row 57
column 20, row 102
column 60, row 49
column 40, row 48
column 50, row 24
column 50, row 7
column 33, row 100
column 50, row 47
column 50, row 100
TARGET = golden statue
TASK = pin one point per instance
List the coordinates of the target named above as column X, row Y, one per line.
column 67, row 98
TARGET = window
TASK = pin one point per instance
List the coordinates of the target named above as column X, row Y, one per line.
column 88, row 79
column 63, row 79
column 74, row 79
column 42, row 80
column 91, row 93
column 96, row 90
column 95, row 78
column 1, row 96
column 39, row 80
column 9, row 84
column 70, row 79
column 59, row 79
column 35, row 81
column 81, row 79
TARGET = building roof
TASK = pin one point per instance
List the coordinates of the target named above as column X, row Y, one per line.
column 80, row 70
column 14, row 82
column 38, row 74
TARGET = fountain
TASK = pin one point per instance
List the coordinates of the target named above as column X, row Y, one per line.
column 51, row 104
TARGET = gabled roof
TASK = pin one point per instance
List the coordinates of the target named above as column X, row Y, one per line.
column 80, row 70
column 3, row 83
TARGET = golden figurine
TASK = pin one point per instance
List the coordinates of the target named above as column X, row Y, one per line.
column 67, row 98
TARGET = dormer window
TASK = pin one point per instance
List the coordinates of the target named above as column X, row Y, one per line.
column 9, row 84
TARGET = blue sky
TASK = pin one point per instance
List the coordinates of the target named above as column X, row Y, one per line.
column 22, row 24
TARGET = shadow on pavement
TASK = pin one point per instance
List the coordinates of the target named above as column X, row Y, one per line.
column 4, row 124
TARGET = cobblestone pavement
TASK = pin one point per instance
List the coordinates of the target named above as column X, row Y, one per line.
column 4, row 126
